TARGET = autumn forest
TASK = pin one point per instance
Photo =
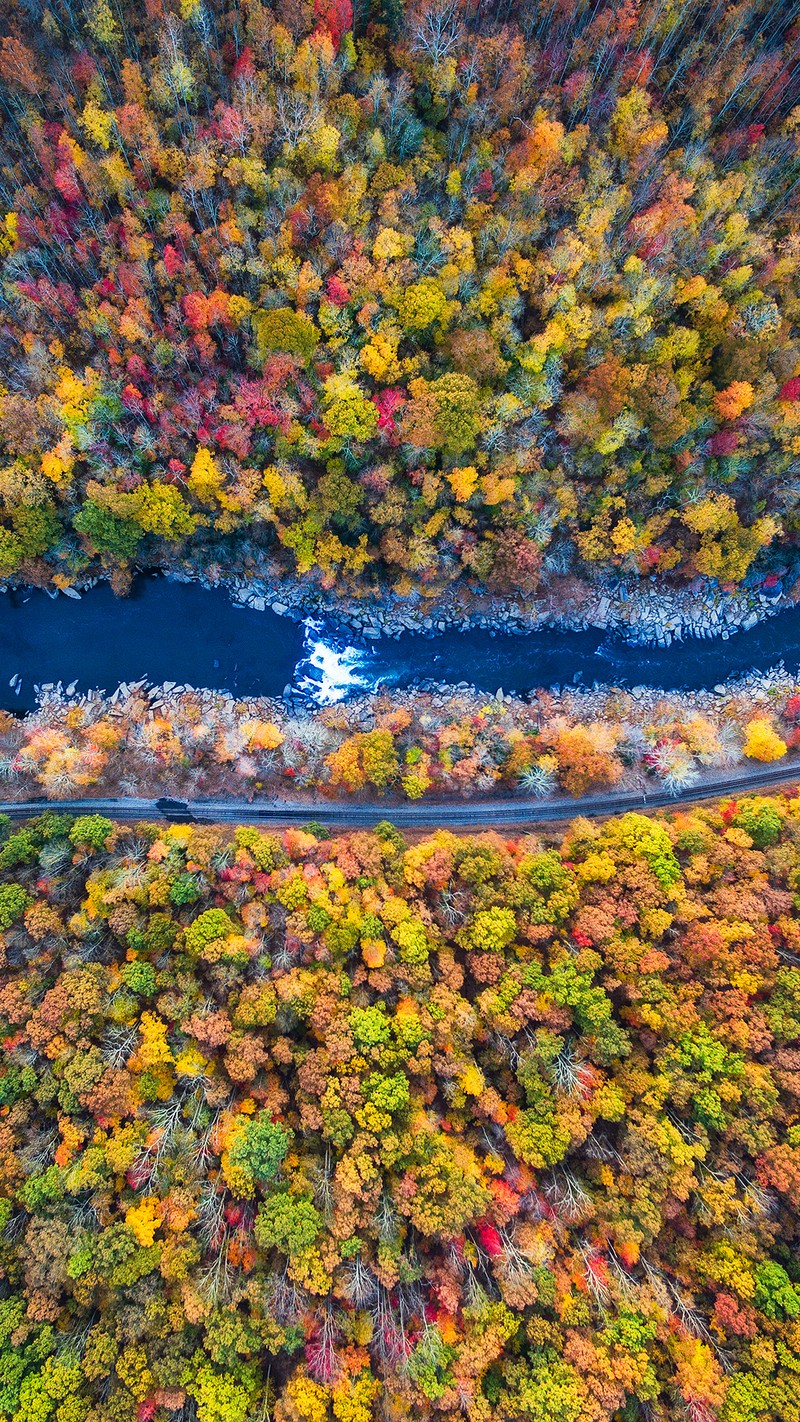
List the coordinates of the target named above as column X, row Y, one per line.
column 421, row 305
column 478, row 292
column 346, row 1128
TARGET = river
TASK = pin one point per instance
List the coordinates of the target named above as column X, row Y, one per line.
column 186, row 634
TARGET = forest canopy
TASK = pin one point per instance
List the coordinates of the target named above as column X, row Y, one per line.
column 422, row 292
column 323, row 1130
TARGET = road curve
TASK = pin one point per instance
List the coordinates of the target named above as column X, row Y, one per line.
column 466, row 814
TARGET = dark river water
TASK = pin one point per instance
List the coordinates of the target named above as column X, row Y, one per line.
column 186, row 634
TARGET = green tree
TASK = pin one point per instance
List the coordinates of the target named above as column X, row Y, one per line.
column 775, row 1294
column 91, row 831
column 140, row 978
column 105, row 532
column 219, row 1397
column 283, row 329
column 290, row 1223
column 260, row 1148
column 11, row 553
column 207, row 928
column 13, row 902
column 37, row 527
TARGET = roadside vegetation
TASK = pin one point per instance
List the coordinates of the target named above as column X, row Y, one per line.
column 407, row 746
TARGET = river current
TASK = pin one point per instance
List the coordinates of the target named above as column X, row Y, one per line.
column 186, row 634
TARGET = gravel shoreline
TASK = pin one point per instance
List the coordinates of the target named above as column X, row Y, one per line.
column 643, row 615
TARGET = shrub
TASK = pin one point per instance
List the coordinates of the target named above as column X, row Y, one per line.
column 13, row 903
column 91, row 831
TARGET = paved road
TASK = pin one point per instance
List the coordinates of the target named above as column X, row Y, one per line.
column 428, row 814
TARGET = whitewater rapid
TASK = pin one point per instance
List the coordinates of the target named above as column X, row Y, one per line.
column 331, row 668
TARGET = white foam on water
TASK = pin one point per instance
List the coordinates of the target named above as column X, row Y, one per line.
column 330, row 670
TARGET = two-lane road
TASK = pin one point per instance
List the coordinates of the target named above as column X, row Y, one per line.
column 428, row 814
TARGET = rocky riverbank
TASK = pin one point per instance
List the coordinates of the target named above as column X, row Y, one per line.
column 430, row 741
column 641, row 613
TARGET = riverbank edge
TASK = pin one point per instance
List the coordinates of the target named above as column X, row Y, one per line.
column 642, row 615
column 150, row 740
